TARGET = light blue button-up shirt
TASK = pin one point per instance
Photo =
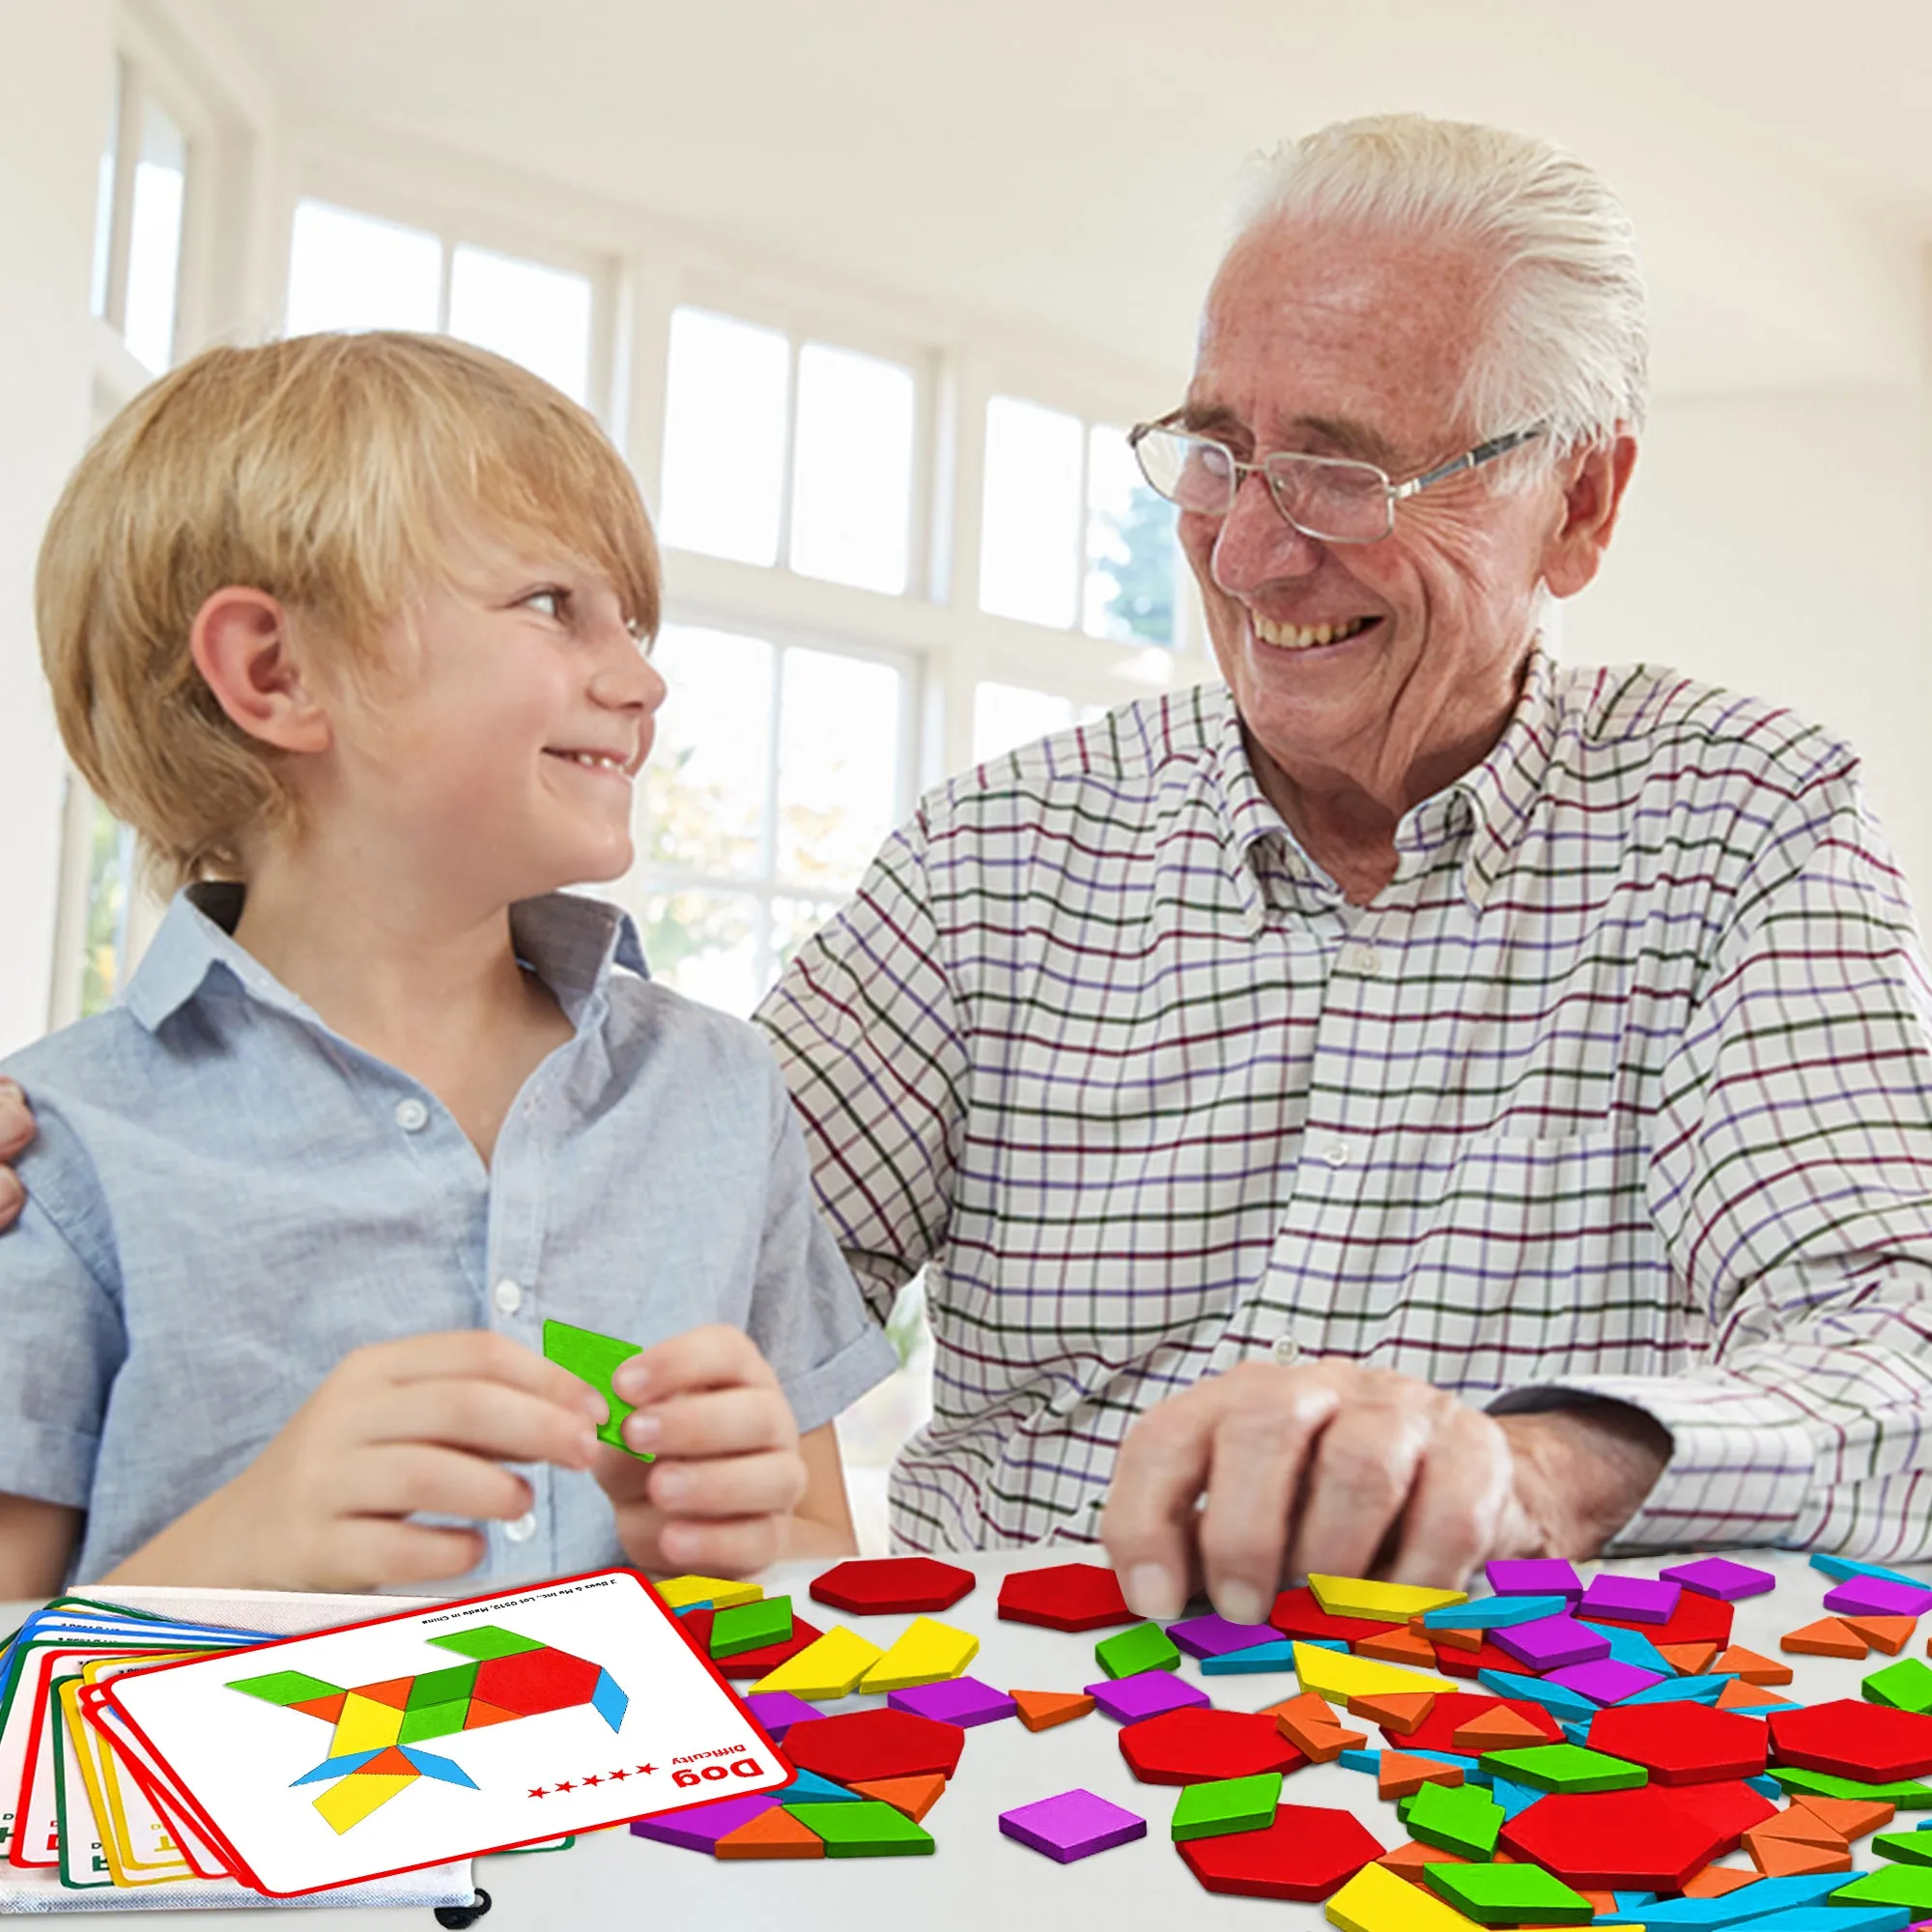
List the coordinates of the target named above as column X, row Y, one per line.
column 226, row 1198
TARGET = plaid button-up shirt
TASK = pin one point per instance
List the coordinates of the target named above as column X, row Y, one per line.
column 1623, row 1086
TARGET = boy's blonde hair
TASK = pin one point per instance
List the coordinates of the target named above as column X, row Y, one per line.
column 339, row 474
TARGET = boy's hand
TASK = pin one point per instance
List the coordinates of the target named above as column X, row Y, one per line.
column 729, row 1474
column 422, row 1425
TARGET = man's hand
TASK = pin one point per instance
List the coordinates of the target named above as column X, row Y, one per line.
column 720, row 1497
column 1333, row 1467
column 16, row 1129
column 401, row 1427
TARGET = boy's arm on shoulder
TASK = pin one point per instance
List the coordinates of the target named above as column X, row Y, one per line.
column 36, row 1543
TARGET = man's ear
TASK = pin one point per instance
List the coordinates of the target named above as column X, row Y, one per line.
column 1594, row 482
column 241, row 644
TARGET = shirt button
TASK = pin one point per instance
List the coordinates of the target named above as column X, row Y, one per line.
column 1287, row 1350
column 507, row 1296
column 1336, row 1153
column 1362, row 957
column 411, row 1116
column 524, row 1528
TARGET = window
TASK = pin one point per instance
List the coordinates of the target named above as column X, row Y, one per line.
column 350, row 270
column 776, row 451
column 140, row 209
column 776, row 774
column 1070, row 534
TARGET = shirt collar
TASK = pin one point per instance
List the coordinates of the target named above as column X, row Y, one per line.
column 572, row 942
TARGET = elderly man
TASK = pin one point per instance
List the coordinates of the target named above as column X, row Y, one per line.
column 1415, row 1103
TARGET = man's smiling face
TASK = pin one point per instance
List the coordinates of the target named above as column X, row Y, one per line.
column 1356, row 344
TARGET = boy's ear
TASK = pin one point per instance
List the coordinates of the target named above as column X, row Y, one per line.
column 240, row 645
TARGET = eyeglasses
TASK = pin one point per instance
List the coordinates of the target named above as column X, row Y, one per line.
column 1332, row 499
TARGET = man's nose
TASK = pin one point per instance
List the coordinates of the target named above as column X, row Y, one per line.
column 1256, row 543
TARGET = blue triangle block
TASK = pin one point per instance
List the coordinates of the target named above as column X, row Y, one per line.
column 1495, row 1612
column 812, row 1789
column 339, row 1767
column 1768, row 1787
column 1514, row 1799
column 1839, row 1568
column 1633, row 1647
column 1554, row 1698
column 1634, row 1901
column 1370, row 1761
column 1257, row 1657
column 447, row 1768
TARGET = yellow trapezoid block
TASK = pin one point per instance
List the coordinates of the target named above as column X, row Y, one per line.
column 928, row 1651
column 1337, row 1675
column 1380, row 1603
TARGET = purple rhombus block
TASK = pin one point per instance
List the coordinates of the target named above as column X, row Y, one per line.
column 1638, row 1600
column 1551, row 1642
column 1147, row 1694
column 1877, row 1597
column 1533, row 1577
column 958, row 1700
column 1075, row 1825
column 1718, row 1577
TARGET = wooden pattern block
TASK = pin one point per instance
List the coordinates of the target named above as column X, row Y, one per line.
column 1508, row 1894
column 1066, row 1596
column 1907, row 1793
column 1910, row 1885
column 1777, row 1856
column 1912, row 1848
column 1649, row 1839
column 1379, row 1603
column 1339, row 1676
column 696, row 1625
column 1682, row 1743
column 1850, row 1738
column 1196, row 1745
column 1906, row 1686
column 1397, row 1713
column 1298, row 1614
column 1490, row 1656
column 1219, row 1807
column 1499, row 1728
column 830, row 1668
column 1566, row 1767
column 760, row 1625
column 1377, row 1901
column 1461, row 1818
column 1453, row 1636
column 1696, row 1619
column 776, row 1834
column 1308, row 1723
column 1398, row 1775
column 1304, row 1854
column 868, row 1828
column 1829, row 1636
column 1688, row 1660
column 1398, row 1646
column 1738, row 1696
column 1448, row 1720
column 1890, row 1635
column 867, row 1747
column 1144, row 1647
column 1800, row 1827
column 720, row 1592
column 1412, row 1859
column 927, row 1652
column 884, row 1586
column 1750, row 1666
column 1043, row 1710
column 914, row 1796
column 1716, row 1881
column 1850, row 1817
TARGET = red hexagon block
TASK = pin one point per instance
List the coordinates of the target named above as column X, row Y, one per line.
column 1696, row 1620
column 865, row 1746
column 1306, row 1854
column 1682, row 1743
column 1194, row 1745
column 1643, row 1840
column 1852, row 1739
column 1066, row 1596
column 884, row 1586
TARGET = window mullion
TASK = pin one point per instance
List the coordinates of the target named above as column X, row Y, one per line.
column 121, row 230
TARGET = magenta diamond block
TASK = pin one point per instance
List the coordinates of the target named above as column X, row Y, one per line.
column 1075, row 1825
column 1217, row 1636
column 1718, row 1577
column 1147, row 1694
column 1637, row 1600
column 1551, row 1642
column 1877, row 1597
column 777, row 1711
column 699, row 1827
column 1606, row 1679
column 1533, row 1577
column 960, row 1700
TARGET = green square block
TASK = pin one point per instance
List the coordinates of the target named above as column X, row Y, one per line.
column 485, row 1642
column 750, row 1626
column 1565, row 1768
column 455, row 1686
column 1906, row 1686
column 423, row 1722
column 870, row 1829
column 1144, row 1647
column 1226, row 1805
column 1509, row 1894
column 1907, row 1793
column 1463, row 1818
column 1909, row 1886
column 285, row 1687
column 1911, row 1848
column 594, row 1358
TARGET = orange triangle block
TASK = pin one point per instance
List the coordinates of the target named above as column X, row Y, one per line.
column 1399, row 1711
column 1714, row 1881
column 1738, row 1696
column 1687, row 1660
column 1460, row 1639
column 1397, row 1773
column 1041, row 1709
column 1851, row 1817
column 1397, row 1646
column 1499, row 1729
column 1320, row 1743
column 1787, row 1858
column 394, row 1691
column 772, row 1834
column 1308, row 1705
column 480, row 1714
column 1890, row 1635
column 1826, row 1637
column 1803, row 1827
column 1738, row 1661
column 1407, row 1860
column 914, row 1796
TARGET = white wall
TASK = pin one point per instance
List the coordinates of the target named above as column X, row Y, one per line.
column 1775, row 544
column 53, row 117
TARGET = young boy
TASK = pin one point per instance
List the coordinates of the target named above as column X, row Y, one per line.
column 355, row 632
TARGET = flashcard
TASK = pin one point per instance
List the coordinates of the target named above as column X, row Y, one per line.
column 83, row 1849
column 439, row 1734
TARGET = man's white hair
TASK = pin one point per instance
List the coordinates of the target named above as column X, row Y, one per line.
column 1566, row 344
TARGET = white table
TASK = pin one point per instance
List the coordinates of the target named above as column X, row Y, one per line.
column 977, row 1880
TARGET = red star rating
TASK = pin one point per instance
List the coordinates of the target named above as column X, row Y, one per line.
column 538, row 1792
column 619, row 1776
column 645, row 1769
column 594, row 1779
column 566, row 1785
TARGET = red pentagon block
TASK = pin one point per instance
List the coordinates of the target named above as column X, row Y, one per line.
column 1452, row 1709
column 696, row 1626
column 868, row 1745
column 1682, row 1743
column 1194, row 1745
column 1066, row 1596
column 1696, row 1620
column 885, row 1586
column 535, row 1680
column 1297, row 1613
column 1643, row 1840
column 1307, row 1852
column 1852, row 1739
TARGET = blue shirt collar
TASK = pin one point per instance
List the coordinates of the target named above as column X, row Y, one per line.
column 574, row 943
